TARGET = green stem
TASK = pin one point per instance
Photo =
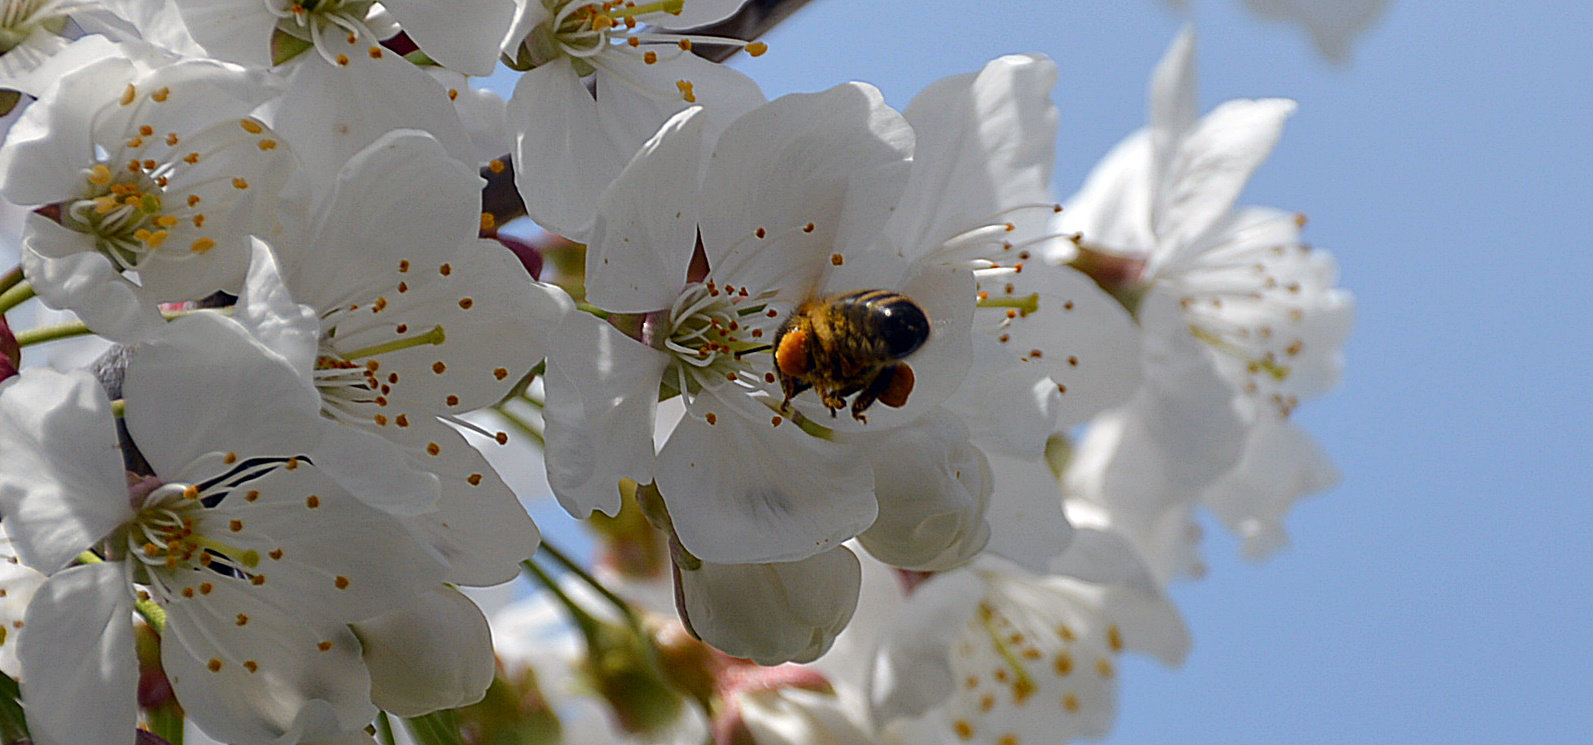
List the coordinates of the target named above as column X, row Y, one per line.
column 15, row 296
column 436, row 728
column 384, row 729
column 53, row 332
column 522, row 425
column 588, row 624
column 580, row 572
column 166, row 721
column 43, row 334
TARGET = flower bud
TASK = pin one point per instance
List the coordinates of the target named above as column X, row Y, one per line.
column 933, row 489
column 771, row 613
column 10, row 351
column 434, row 654
column 529, row 255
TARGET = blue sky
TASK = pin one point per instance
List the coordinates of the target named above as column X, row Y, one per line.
column 1441, row 593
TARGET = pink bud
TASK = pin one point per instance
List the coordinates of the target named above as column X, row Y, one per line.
column 401, row 43
column 910, row 580
column 529, row 255
column 10, row 351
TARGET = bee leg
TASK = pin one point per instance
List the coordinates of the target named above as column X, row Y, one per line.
column 791, row 387
column 833, row 400
column 890, row 386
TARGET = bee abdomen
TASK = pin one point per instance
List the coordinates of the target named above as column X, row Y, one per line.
column 890, row 317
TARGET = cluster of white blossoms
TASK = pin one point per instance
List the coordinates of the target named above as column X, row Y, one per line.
column 889, row 445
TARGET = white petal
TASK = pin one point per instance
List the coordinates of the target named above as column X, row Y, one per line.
column 331, row 112
column 1174, row 102
column 985, row 143
column 320, row 547
column 479, row 526
column 1010, row 407
column 255, row 404
column 78, row 668
column 373, row 470
column 1211, row 164
column 739, row 490
column 481, row 296
column 458, row 35
column 1280, row 464
column 60, row 60
column 646, row 226
column 772, row 613
column 236, row 32
column 561, row 164
column 52, row 139
column 208, row 655
column 400, row 198
column 434, row 654
column 911, row 672
column 1027, row 524
column 1082, row 337
column 19, row 583
column 63, row 487
column 837, row 159
column 634, row 98
column 1113, row 209
column 602, row 390
column 68, row 278
column 266, row 309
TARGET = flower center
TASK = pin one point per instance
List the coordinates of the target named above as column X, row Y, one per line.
column 125, row 212
column 710, row 330
column 173, row 534
column 18, row 18
column 581, row 30
column 320, row 21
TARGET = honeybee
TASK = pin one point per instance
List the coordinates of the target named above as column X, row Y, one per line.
column 850, row 344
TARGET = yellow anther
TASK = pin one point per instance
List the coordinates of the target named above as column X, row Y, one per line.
column 686, row 92
column 100, row 174
column 129, row 94
column 160, row 95
column 239, row 183
column 268, row 144
column 757, row 48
